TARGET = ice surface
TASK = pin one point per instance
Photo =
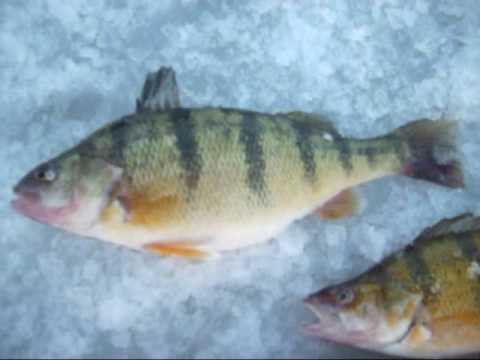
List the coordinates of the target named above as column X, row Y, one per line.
column 69, row 66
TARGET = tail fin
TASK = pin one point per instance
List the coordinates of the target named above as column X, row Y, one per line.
column 432, row 152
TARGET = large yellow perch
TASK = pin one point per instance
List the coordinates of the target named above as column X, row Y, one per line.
column 195, row 181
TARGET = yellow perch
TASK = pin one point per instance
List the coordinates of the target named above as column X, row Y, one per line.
column 421, row 302
column 194, row 181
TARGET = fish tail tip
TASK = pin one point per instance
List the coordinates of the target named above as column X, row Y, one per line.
column 432, row 152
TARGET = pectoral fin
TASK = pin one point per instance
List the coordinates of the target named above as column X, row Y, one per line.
column 419, row 334
column 180, row 249
column 344, row 204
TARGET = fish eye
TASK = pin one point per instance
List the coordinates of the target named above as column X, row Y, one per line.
column 345, row 296
column 46, row 173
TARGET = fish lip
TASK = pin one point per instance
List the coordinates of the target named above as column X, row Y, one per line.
column 23, row 198
column 26, row 195
column 26, row 203
column 22, row 204
column 311, row 303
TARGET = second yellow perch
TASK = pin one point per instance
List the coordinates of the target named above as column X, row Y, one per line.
column 421, row 302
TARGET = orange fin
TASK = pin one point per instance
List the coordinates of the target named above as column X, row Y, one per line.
column 419, row 334
column 176, row 249
column 344, row 204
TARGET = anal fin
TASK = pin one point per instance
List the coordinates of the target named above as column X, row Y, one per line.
column 344, row 204
column 179, row 249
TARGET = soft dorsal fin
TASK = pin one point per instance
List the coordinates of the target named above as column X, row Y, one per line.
column 313, row 120
column 457, row 225
column 159, row 91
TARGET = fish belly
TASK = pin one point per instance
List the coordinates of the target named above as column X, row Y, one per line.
column 212, row 235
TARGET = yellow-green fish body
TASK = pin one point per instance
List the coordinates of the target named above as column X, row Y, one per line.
column 226, row 177
column 192, row 181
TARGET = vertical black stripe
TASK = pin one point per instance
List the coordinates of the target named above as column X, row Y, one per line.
column 371, row 154
column 119, row 134
column 468, row 247
column 190, row 158
column 419, row 271
column 399, row 148
column 303, row 135
column 369, row 151
column 344, row 152
column 250, row 138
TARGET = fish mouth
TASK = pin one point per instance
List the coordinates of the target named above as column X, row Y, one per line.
column 24, row 198
column 325, row 314
column 329, row 326
column 26, row 203
column 29, row 204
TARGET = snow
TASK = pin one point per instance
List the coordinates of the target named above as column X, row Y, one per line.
column 370, row 66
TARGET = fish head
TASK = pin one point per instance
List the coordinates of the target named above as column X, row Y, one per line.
column 67, row 191
column 363, row 314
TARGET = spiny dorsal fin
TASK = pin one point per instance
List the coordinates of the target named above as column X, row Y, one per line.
column 457, row 225
column 159, row 92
